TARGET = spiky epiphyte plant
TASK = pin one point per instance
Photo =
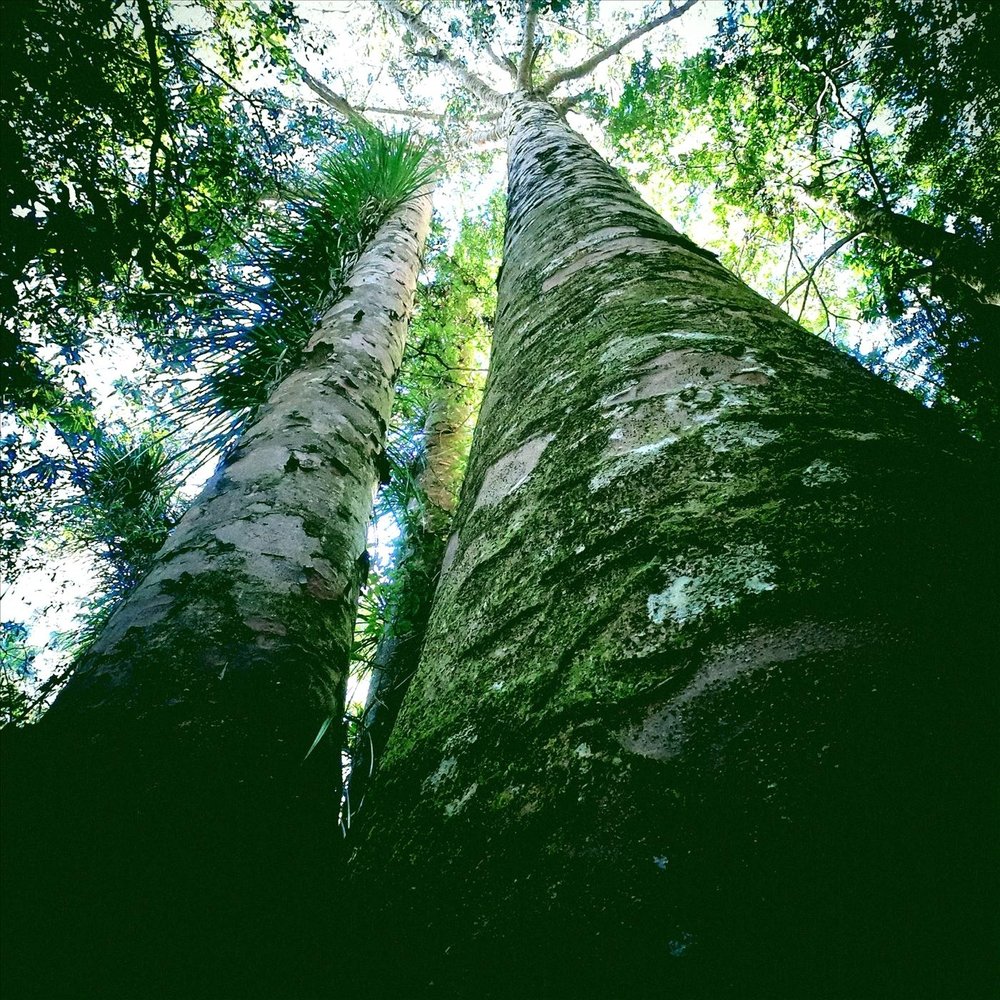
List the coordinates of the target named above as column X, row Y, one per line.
column 307, row 246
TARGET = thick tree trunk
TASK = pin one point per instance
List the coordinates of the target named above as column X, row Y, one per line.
column 241, row 632
column 701, row 705
column 179, row 746
column 974, row 265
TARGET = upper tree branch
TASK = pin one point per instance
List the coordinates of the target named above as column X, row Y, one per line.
column 339, row 104
column 504, row 62
column 431, row 116
column 524, row 64
column 810, row 274
column 588, row 65
column 474, row 83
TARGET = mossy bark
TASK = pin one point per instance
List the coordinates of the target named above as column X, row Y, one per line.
column 178, row 748
column 700, row 709
column 420, row 551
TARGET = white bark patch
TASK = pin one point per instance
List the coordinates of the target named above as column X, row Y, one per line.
column 821, row 473
column 661, row 735
column 450, row 551
column 711, row 582
column 631, row 245
column 271, row 534
column 858, row 435
column 599, row 238
column 622, row 351
column 734, row 436
column 454, row 807
column 675, row 370
column 511, row 472
column 675, row 393
column 444, row 771
column 631, row 462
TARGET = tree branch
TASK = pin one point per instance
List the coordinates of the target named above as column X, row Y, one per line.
column 431, row 116
column 588, row 65
column 524, row 64
column 570, row 102
column 160, row 112
column 504, row 62
column 339, row 104
column 821, row 259
column 476, row 84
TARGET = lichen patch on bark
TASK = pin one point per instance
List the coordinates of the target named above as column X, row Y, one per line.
column 700, row 583
column 511, row 472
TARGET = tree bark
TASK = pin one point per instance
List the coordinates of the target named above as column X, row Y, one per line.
column 244, row 624
column 975, row 265
column 418, row 565
column 703, row 697
column 177, row 760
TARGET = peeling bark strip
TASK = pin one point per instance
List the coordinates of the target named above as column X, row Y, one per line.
column 239, row 638
column 711, row 620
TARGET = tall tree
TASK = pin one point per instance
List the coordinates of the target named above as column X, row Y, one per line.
column 708, row 609
column 711, row 614
column 205, row 721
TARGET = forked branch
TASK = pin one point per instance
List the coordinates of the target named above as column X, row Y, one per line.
column 810, row 274
column 339, row 104
column 358, row 114
column 589, row 65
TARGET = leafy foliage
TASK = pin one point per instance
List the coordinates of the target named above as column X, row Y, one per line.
column 128, row 505
column 16, row 656
column 127, row 155
column 131, row 162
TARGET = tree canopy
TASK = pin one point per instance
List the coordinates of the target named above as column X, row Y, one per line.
column 857, row 134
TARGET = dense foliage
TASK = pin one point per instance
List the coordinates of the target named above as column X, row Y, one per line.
column 128, row 156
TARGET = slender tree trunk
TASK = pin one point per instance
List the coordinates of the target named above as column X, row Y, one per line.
column 701, row 705
column 242, row 630
column 976, row 266
column 420, row 552
column 179, row 746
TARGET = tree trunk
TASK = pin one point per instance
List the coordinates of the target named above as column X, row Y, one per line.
column 179, row 745
column 418, row 565
column 976, row 266
column 701, row 705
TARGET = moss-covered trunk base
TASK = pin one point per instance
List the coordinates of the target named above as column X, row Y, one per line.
column 170, row 879
column 811, row 840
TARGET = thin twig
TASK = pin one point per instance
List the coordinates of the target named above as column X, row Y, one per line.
column 821, row 259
